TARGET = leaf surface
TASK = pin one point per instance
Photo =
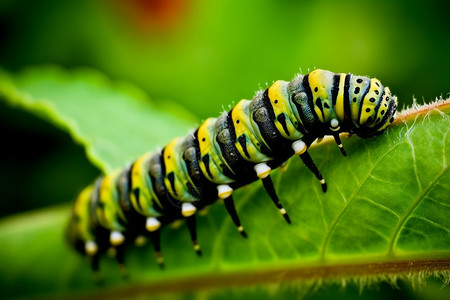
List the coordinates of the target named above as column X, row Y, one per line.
column 386, row 211
column 115, row 121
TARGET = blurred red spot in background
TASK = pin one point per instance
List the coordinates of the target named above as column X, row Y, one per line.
column 155, row 15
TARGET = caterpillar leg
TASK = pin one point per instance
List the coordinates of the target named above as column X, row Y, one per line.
column 156, row 241
column 339, row 143
column 262, row 171
column 300, row 149
column 120, row 257
column 334, row 126
column 229, row 204
column 192, row 226
column 224, row 192
column 188, row 211
column 152, row 225
column 95, row 266
column 91, row 250
column 117, row 240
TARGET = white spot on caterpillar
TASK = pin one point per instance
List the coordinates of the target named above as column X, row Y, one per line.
column 152, row 224
column 299, row 147
column 187, row 209
column 224, row 191
column 116, row 238
column 91, row 248
column 262, row 170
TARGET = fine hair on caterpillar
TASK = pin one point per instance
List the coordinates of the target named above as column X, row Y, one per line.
column 239, row 147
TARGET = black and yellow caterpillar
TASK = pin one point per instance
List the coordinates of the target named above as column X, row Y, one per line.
column 224, row 154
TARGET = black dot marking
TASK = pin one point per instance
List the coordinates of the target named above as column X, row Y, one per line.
column 243, row 142
column 367, row 109
column 376, row 82
column 372, row 100
column 369, row 119
column 391, row 120
column 377, row 92
column 356, row 90
column 205, row 160
column 308, row 116
column 316, row 89
column 387, row 98
column 282, row 119
column 385, row 105
column 319, row 103
column 378, row 120
column 237, row 121
column 171, row 178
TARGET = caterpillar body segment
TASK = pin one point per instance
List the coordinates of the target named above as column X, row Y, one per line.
column 225, row 153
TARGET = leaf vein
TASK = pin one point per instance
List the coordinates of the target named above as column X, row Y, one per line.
column 439, row 202
column 431, row 222
column 413, row 154
column 411, row 208
column 344, row 208
column 385, row 208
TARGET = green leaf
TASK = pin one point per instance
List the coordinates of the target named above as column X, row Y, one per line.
column 386, row 212
column 115, row 121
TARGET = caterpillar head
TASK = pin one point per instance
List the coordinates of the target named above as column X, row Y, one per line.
column 372, row 106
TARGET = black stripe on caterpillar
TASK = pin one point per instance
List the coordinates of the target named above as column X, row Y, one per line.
column 223, row 154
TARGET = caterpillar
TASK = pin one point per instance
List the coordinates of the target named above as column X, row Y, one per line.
column 223, row 154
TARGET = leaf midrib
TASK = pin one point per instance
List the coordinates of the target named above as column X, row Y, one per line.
column 268, row 276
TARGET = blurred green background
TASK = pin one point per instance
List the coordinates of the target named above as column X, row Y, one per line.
column 204, row 55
